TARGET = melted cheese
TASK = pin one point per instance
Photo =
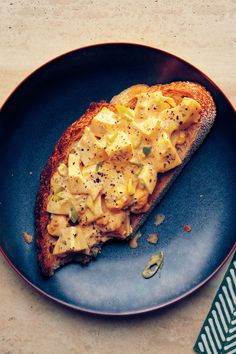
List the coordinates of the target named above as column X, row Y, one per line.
column 114, row 168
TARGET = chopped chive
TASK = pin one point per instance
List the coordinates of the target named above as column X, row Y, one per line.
column 60, row 189
column 57, row 198
column 147, row 150
column 73, row 215
column 98, row 165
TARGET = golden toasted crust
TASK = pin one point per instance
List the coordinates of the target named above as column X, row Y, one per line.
column 195, row 135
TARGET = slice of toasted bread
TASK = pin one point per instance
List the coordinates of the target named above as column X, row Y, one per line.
column 195, row 135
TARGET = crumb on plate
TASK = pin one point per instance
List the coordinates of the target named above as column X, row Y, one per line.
column 133, row 243
column 27, row 237
column 152, row 238
column 187, row 228
column 159, row 219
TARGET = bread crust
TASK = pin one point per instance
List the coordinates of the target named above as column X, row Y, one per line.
column 195, row 136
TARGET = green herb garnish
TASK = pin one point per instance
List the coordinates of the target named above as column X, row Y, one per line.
column 98, row 165
column 73, row 215
column 125, row 113
column 153, row 265
column 60, row 189
column 57, row 198
column 147, row 150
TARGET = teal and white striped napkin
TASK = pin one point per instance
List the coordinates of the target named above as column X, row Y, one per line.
column 218, row 333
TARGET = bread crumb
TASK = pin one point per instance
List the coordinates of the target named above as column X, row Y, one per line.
column 187, row 228
column 159, row 219
column 152, row 238
column 27, row 237
column 133, row 243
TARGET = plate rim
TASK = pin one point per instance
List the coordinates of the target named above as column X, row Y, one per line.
column 117, row 314
column 77, row 307
column 101, row 44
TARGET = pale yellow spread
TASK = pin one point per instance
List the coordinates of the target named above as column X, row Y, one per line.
column 113, row 169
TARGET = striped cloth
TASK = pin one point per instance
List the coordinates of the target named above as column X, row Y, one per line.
column 218, row 333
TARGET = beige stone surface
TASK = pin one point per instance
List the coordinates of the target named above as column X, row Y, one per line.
column 34, row 31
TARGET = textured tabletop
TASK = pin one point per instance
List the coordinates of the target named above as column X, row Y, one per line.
column 31, row 33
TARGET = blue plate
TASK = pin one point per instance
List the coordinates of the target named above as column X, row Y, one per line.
column 203, row 196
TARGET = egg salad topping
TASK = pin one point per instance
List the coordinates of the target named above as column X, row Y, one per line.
column 113, row 168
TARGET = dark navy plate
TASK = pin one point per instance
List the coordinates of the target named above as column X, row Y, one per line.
column 203, row 196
